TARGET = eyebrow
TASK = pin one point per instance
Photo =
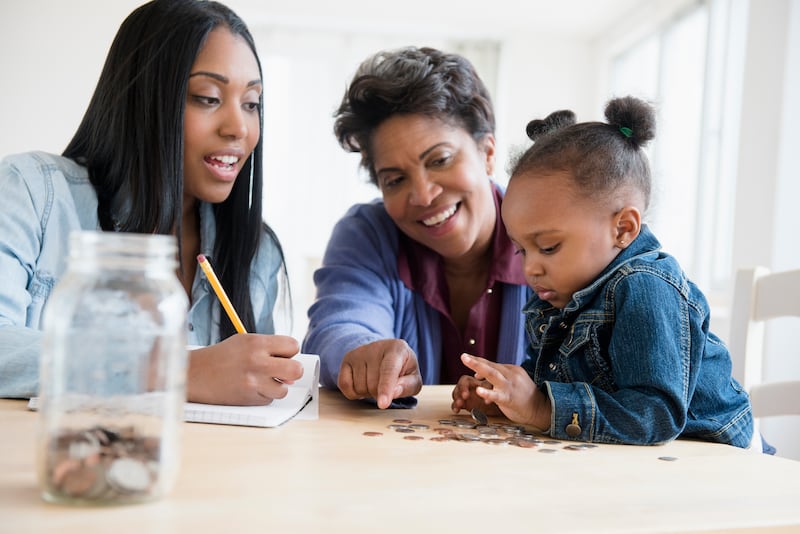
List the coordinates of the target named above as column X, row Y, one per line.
column 421, row 157
column 221, row 78
column 536, row 235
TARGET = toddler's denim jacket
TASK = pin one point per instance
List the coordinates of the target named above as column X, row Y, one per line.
column 630, row 359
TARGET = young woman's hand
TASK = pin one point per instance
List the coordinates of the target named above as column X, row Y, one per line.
column 507, row 386
column 383, row 370
column 243, row 370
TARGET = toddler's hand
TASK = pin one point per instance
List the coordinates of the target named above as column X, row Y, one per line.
column 465, row 398
column 510, row 388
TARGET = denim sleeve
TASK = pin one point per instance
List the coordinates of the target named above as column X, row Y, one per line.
column 20, row 242
column 355, row 301
column 650, row 359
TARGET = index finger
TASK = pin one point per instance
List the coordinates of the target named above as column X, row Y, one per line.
column 483, row 368
column 388, row 378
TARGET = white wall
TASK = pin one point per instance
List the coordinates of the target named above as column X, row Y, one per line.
column 52, row 54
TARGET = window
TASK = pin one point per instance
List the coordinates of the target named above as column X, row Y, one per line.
column 690, row 68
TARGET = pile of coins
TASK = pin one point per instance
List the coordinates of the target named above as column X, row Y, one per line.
column 479, row 430
column 102, row 465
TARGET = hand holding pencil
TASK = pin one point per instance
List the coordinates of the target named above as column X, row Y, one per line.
column 248, row 369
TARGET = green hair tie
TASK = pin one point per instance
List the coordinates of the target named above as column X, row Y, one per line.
column 627, row 132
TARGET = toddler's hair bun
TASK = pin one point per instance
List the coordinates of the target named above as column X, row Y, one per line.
column 553, row 122
column 635, row 119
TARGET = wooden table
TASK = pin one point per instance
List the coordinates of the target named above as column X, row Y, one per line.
column 327, row 476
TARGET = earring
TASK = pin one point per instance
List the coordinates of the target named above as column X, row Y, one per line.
column 621, row 242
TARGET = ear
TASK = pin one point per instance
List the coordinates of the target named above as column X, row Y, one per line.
column 627, row 225
column 487, row 145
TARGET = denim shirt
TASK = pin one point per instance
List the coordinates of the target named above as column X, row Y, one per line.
column 630, row 359
column 44, row 197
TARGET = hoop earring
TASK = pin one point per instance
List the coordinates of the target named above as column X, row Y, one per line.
column 250, row 191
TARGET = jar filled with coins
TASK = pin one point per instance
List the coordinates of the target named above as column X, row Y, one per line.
column 113, row 372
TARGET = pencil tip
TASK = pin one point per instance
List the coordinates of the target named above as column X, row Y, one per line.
column 201, row 258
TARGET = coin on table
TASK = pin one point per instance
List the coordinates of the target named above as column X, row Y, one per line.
column 668, row 458
column 372, row 433
column 402, row 421
column 413, row 438
column 479, row 417
column 548, row 451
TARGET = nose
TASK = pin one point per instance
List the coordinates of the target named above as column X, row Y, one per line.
column 233, row 124
column 532, row 267
column 423, row 191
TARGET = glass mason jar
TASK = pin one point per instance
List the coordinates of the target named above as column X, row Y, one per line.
column 113, row 372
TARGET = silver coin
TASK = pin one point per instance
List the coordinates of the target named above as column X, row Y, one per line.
column 548, row 451
column 128, row 475
column 479, row 417
column 668, row 458
column 465, row 424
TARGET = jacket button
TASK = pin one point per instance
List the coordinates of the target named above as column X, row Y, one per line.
column 542, row 328
column 552, row 366
column 573, row 429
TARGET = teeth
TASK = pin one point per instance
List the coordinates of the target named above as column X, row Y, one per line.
column 441, row 217
column 227, row 160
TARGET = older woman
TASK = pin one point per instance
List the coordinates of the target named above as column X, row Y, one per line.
column 411, row 281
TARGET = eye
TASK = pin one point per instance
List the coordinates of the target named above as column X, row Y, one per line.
column 520, row 251
column 391, row 182
column 252, row 106
column 441, row 160
column 547, row 251
column 206, row 100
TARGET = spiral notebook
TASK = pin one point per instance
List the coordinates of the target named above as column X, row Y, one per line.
column 302, row 402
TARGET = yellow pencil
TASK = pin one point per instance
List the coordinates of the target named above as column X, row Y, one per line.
column 221, row 295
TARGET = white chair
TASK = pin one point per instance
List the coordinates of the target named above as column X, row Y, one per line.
column 760, row 295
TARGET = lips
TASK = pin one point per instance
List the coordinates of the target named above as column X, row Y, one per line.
column 225, row 162
column 441, row 217
column 544, row 293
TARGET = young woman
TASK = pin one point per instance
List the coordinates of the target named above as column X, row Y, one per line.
column 170, row 144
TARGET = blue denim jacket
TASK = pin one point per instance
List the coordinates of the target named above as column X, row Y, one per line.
column 631, row 360
column 43, row 198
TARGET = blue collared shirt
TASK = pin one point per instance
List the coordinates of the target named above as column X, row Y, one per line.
column 44, row 197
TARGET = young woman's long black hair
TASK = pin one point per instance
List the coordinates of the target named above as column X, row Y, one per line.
column 131, row 140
